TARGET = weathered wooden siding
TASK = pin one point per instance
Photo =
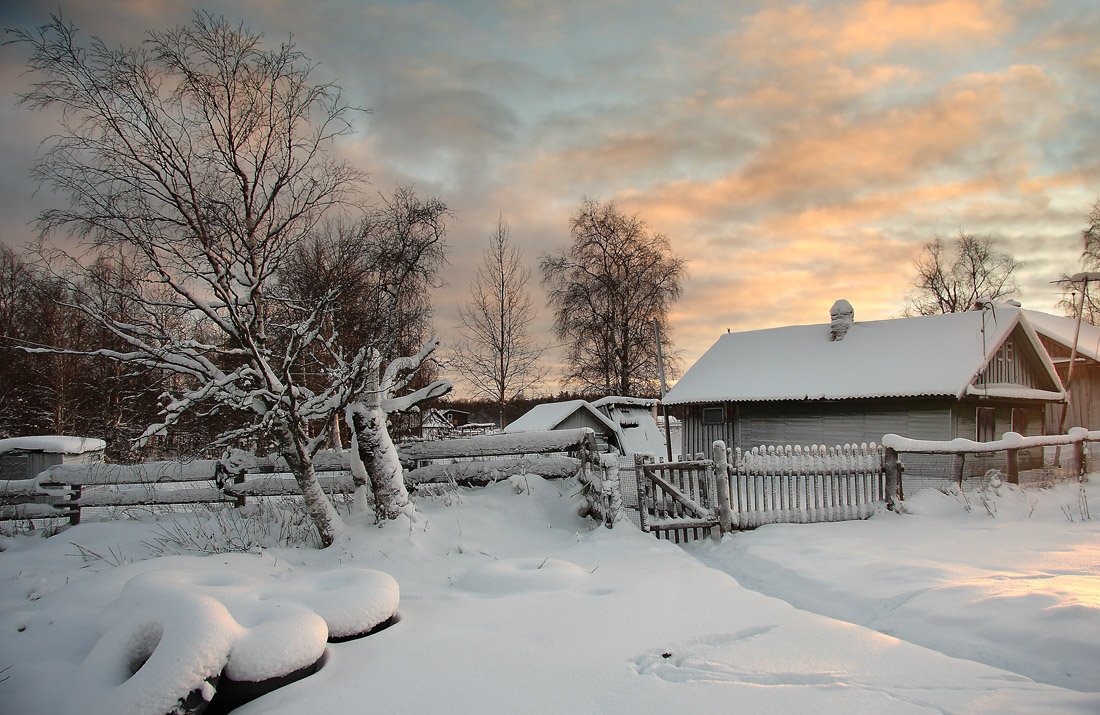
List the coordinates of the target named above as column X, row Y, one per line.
column 1016, row 363
column 966, row 425
column 697, row 437
column 759, row 424
column 581, row 418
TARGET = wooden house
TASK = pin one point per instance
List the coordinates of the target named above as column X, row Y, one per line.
column 569, row 415
column 976, row 375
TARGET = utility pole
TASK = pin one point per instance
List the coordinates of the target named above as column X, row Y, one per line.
column 664, row 388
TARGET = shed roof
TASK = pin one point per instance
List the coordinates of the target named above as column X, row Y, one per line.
column 53, row 443
column 925, row 356
column 549, row 415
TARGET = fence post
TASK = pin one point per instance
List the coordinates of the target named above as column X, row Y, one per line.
column 74, row 495
column 721, row 472
column 1013, row 466
column 893, row 477
column 643, row 497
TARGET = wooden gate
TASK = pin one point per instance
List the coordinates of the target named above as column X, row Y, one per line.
column 684, row 501
column 674, row 498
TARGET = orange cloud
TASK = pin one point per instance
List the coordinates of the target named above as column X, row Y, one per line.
column 800, row 35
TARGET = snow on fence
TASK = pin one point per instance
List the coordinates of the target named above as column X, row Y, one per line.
column 796, row 484
column 1010, row 443
column 64, row 490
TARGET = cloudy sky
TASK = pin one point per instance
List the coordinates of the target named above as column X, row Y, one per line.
column 794, row 153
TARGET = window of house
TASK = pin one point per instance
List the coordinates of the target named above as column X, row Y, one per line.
column 714, row 415
column 1019, row 420
column 985, row 420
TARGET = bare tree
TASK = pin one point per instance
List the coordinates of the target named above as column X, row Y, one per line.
column 607, row 288
column 205, row 156
column 383, row 265
column 1090, row 261
column 496, row 354
column 950, row 279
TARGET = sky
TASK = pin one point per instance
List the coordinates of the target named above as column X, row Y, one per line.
column 793, row 153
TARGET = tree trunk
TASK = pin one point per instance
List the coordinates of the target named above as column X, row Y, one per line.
column 379, row 457
column 317, row 504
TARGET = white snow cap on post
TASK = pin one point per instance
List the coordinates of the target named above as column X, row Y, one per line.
column 842, row 316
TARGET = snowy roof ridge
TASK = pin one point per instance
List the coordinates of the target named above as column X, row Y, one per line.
column 924, row 356
column 623, row 400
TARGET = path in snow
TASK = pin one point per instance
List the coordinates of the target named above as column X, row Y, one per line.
column 1020, row 591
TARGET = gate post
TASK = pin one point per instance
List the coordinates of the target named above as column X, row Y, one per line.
column 721, row 468
column 892, row 468
column 643, row 496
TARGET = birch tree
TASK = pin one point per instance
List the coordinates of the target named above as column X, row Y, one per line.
column 206, row 155
column 607, row 288
column 496, row 353
column 950, row 278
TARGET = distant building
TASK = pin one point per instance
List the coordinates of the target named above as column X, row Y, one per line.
column 570, row 415
column 26, row 457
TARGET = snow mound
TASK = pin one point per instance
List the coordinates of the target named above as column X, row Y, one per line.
column 170, row 634
column 521, row 575
column 156, row 657
column 352, row 601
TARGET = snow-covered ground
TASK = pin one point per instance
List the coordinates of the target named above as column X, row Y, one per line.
column 510, row 603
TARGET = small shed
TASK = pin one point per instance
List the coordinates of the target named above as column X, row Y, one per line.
column 570, row 415
column 26, row 457
column 435, row 424
column 639, row 432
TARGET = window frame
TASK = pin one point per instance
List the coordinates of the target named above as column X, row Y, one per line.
column 985, row 424
column 709, row 419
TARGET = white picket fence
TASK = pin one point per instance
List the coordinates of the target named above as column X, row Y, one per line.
column 796, row 484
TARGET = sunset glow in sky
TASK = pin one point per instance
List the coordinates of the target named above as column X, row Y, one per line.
column 794, row 153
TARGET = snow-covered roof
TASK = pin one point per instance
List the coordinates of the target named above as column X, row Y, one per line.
column 926, row 356
column 1060, row 329
column 637, row 429
column 549, row 415
column 53, row 443
column 645, row 402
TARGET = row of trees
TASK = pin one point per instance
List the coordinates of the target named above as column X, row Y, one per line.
column 233, row 287
column 238, row 271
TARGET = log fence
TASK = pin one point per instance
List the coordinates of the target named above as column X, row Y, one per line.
column 65, row 490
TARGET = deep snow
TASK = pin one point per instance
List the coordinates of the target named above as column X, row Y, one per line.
column 510, row 603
